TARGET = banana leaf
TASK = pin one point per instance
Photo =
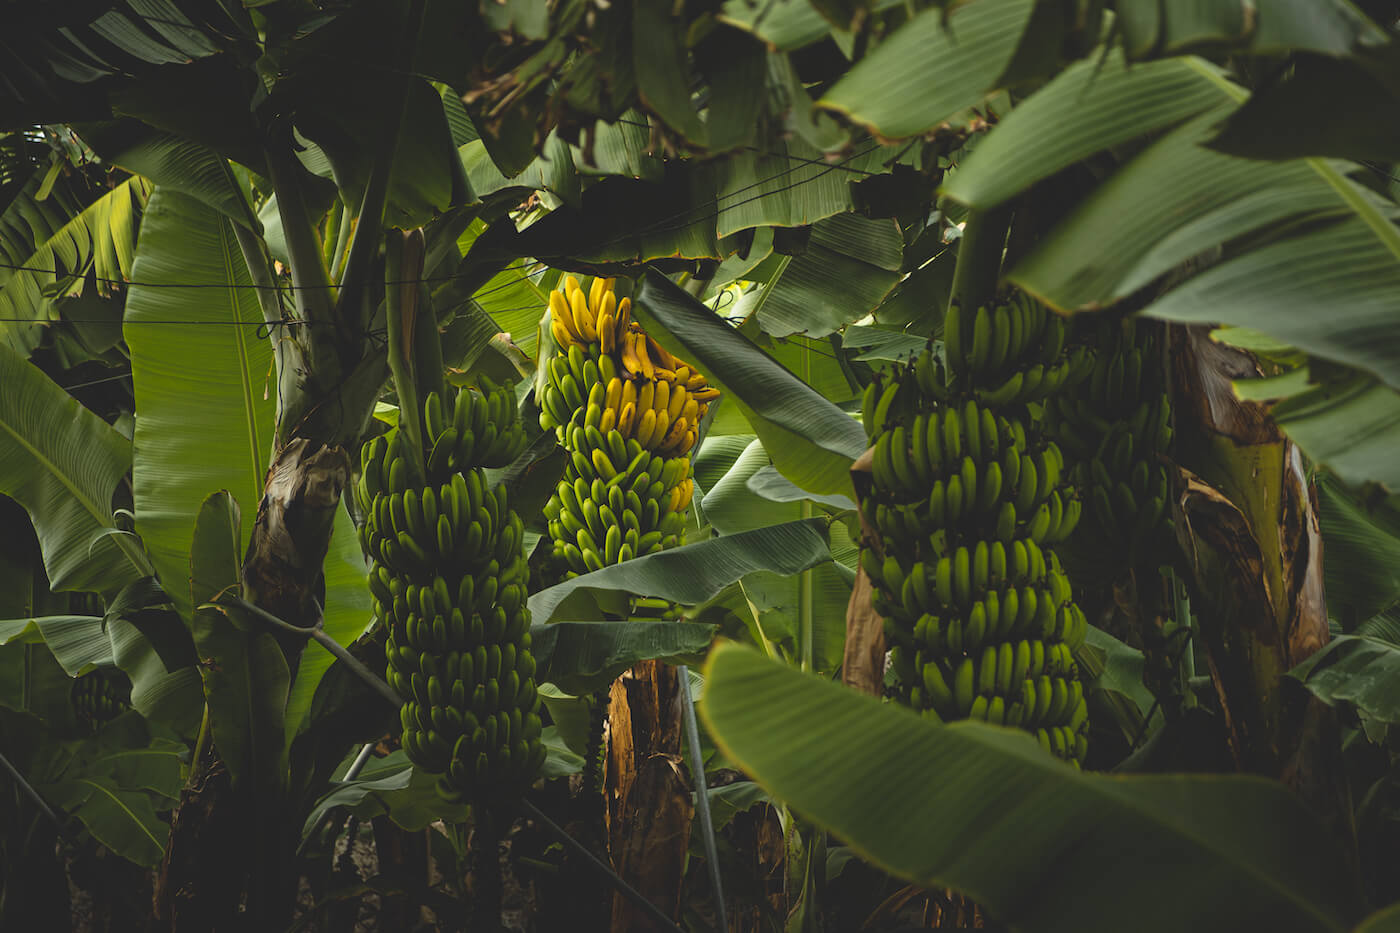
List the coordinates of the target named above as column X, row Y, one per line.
column 693, row 573
column 984, row 810
column 581, row 657
column 812, row 441
column 1356, row 670
column 205, row 390
column 934, row 65
column 1301, row 234
column 63, row 463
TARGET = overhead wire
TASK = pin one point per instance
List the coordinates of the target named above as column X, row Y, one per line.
column 662, row 225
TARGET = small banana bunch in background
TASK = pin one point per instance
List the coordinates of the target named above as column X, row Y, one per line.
column 100, row 696
column 449, row 581
column 1115, row 427
column 628, row 413
column 968, row 498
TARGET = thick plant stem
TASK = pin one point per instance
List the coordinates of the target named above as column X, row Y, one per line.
column 979, row 255
column 485, row 869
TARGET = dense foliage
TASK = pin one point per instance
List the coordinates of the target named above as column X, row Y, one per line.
column 1031, row 340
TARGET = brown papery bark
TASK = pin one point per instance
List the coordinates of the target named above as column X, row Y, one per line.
column 1247, row 522
column 649, row 799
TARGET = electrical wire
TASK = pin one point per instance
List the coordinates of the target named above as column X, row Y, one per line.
column 663, row 225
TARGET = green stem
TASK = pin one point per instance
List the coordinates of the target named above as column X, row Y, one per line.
column 314, row 293
column 370, row 219
column 347, row 224
column 401, row 344
column 806, row 650
column 804, row 608
column 486, row 869
column 202, row 739
column 979, row 255
column 260, row 271
column 702, row 794
column 354, row 664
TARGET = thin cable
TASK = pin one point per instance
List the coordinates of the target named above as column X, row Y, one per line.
column 768, row 152
column 280, row 286
column 94, row 382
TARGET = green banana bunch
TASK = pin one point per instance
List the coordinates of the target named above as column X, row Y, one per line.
column 99, row 697
column 628, row 413
column 450, row 583
column 1116, row 428
column 968, row 499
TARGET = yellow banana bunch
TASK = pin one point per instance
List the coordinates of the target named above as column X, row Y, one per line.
column 629, row 413
column 449, row 582
column 968, row 499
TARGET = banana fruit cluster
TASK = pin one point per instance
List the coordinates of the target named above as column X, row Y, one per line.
column 449, row 580
column 1115, row 427
column 968, row 499
column 628, row 413
column 1012, row 354
column 99, row 697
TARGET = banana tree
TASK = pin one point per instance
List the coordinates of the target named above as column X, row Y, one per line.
column 277, row 160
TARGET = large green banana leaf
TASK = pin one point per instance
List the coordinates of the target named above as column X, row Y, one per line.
column 63, row 463
column 205, row 390
column 984, row 810
column 175, row 164
column 811, row 441
column 1313, row 258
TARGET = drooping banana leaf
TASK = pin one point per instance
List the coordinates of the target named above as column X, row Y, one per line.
column 580, row 657
column 51, row 235
column 1356, row 670
column 934, row 65
column 693, row 573
column 63, row 463
column 984, row 810
column 79, row 643
column 812, row 441
column 1302, row 235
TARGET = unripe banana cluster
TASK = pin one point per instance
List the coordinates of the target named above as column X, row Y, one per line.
column 968, row 499
column 1114, row 427
column 449, row 580
column 628, row 413
column 99, row 697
